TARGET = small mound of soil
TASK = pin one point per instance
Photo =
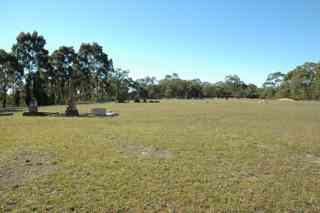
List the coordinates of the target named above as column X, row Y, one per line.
column 26, row 166
column 143, row 151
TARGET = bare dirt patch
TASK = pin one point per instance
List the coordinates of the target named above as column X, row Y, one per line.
column 143, row 151
column 25, row 166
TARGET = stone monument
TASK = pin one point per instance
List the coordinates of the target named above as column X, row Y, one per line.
column 33, row 106
column 99, row 111
column 72, row 108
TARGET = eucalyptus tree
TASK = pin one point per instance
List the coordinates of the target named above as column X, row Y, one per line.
column 10, row 73
column 209, row 90
column 235, row 86
column 301, row 79
column 274, row 80
column 122, row 84
column 316, row 84
column 33, row 57
column 95, row 67
column 145, row 87
column 63, row 74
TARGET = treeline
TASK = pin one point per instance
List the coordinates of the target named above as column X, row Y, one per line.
column 29, row 72
column 174, row 87
column 301, row 83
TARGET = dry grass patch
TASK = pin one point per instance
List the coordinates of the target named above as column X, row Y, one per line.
column 25, row 166
column 143, row 151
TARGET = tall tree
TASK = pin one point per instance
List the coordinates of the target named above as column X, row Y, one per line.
column 274, row 80
column 122, row 84
column 10, row 73
column 272, row 84
column 63, row 72
column 95, row 67
column 32, row 55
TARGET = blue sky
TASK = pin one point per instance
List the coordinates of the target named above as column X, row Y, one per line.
column 206, row 39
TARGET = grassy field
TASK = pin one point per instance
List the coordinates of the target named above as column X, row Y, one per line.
column 176, row 156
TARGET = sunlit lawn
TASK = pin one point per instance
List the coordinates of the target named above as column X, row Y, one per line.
column 183, row 156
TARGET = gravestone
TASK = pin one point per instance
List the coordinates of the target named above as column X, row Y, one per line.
column 72, row 108
column 112, row 114
column 33, row 106
column 99, row 111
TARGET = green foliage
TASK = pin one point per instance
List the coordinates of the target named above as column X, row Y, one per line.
column 121, row 81
column 10, row 74
column 33, row 57
column 63, row 74
column 89, row 75
column 95, row 68
column 301, row 83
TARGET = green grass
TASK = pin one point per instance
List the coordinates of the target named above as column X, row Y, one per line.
column 226, row 156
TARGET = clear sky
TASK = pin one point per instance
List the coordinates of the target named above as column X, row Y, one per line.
column 206, row 39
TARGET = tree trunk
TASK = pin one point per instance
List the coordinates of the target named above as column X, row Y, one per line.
column 17, row 98
column 4, row 98
column 29, row 89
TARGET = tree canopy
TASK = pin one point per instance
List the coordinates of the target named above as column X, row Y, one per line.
column 88, row 75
